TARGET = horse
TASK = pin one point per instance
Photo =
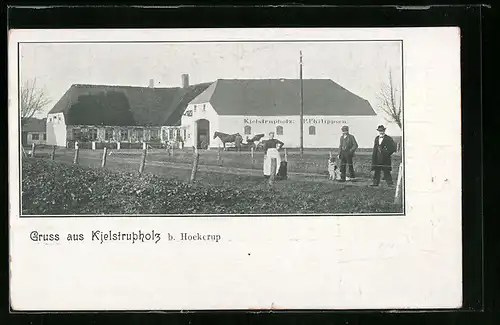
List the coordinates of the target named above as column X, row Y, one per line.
column 225, row 138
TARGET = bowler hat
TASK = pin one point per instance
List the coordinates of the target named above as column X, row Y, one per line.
column 381, row 128
column 345, row 128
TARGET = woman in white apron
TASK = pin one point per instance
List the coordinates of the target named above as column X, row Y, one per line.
column 271, row 150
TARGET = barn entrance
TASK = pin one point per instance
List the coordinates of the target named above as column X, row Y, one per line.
column 202, row 134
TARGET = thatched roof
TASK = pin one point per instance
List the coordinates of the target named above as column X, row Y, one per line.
column 124, row 105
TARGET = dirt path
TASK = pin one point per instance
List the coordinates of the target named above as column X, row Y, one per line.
column 310, row 177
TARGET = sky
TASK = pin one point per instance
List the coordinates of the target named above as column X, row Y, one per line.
column 360, row 66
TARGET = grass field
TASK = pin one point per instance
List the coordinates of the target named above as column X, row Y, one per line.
column 60, row 188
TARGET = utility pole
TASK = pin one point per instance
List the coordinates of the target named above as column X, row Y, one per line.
column 301, row 110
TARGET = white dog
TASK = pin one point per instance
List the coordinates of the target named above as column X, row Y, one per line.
column 333, row 170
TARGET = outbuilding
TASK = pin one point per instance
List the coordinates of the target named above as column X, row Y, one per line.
column 33, row 131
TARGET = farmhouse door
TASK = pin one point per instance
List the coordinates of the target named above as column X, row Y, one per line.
column 203, row 134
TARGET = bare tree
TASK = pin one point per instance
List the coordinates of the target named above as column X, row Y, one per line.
column 390, row 102
column 33, row 100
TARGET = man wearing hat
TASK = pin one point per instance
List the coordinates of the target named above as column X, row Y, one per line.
column 347, row 148
column 383, row 147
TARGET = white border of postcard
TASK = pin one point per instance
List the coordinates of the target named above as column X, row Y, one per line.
column 310, row 262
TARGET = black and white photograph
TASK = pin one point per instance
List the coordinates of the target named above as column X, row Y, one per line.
column 211, row 127
column 235, row 169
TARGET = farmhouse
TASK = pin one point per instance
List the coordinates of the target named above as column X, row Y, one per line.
column 33, row 131
column 191, row 114
column 257, row 106
column 109, row 115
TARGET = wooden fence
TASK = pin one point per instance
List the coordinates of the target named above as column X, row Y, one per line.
column 247, row 159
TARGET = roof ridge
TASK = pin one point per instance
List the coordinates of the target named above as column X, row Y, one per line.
column 121, row 86
column 261, row 79
column 215, row 84
column 141, row 87
column 208, row 91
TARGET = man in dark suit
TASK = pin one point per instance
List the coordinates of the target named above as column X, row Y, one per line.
column 383, row 147
column 347, row 148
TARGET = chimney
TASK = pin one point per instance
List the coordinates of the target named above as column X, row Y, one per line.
column 151, row 83
column 185, row 80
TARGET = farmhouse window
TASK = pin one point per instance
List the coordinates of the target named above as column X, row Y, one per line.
column 108, row 135
column 140, row 134
column 185, row 133
column 44, row 136
column 170, row 134
column 204, row 108
column 312, row 130
column 123, row 135
column 154, row 135
column 93, row 134
column 77, row 134
column 248, row 129
column 195, row 108
column 84, row 135
column 35, row 136
column 279, row 130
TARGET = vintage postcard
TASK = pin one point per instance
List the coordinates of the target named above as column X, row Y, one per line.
column 198, row 169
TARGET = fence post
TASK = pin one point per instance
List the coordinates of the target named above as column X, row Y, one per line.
column 252, row 153
column 118, row 145
column 93, row 145
column 103, row 163
column 398, row 198
column 218, row 156
column 196, row 158
column 53, row 154
column 75, row 159
column 32, row 150
column 25, row 155
column 144, row 145
column 173, row 146
column 143, row 160
column 286, row 155
column 272, row 177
